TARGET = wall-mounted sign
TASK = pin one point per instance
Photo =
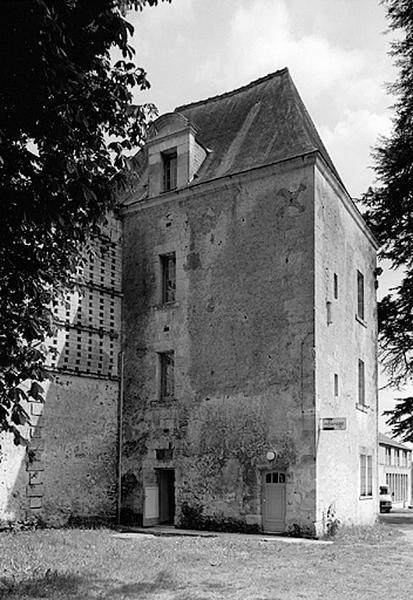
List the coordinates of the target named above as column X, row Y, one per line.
column 334, row 424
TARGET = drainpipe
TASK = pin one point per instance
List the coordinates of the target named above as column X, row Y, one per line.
column 120, row 425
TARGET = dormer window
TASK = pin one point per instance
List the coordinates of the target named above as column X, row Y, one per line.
column 169, row 162
column 174, row 155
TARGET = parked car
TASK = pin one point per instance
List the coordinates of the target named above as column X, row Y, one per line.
column 385, row 499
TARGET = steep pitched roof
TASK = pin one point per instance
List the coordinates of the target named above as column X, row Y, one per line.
column 256, row 125
column 259, row 124
column 384, row 440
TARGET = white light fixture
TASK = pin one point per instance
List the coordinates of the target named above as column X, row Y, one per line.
column 271, row 455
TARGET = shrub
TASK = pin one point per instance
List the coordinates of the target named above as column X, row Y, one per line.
column 192, row 517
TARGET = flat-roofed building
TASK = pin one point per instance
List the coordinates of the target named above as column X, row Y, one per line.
column 395, row 470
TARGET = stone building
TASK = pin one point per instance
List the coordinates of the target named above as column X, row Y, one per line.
column 249, row 324
column 68, row 471
column 395, row 470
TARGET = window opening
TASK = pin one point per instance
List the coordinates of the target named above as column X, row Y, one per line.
column 366, row 475
column 169, row 161
column 335, row 384
column 167, row 360
column 168, row 267
column 361, row 383
column 329, row 317
column 360, row 295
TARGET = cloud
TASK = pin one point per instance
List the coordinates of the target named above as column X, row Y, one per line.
column 349, row 143
column 262, row 35
column 261, row 39
column 337, row 85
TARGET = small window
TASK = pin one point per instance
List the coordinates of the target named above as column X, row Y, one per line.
column 335, row 384
column 397, row 458
column 169, row 162
column 366, row 475
column 168, row 268
column 329, row 317
column 361, row 383
column 388, row 456
column 275, row 477
column 360, row 295
column 167, row 372
column 335, row 286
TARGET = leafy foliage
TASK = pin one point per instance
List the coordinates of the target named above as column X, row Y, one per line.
column 390, row 205
column 401, row 419
column 66, row 121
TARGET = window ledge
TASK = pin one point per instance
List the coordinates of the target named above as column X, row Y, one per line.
column 174, row 189
column 365, row 497
column 361, row 321
column 165, row 305
column 164, row 401
column 363, row 407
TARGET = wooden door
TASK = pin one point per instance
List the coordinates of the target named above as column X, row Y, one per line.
column 274, row 502
column 166, row 496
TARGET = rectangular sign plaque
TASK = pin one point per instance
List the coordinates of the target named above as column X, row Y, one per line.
column 334, row 424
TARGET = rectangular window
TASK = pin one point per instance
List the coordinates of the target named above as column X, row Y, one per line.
column 404, row 458
column 366, row 475
column 170, row 164
column 167, row 373
column 168, row 268
column 335, row 384
column 360, row 295
column 369, row 476
column 329, row 317
column 388, row 456
column 335, row 286
column 361, row 384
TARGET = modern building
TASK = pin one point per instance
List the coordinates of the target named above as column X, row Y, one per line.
column 395, row 470
column 249, row 323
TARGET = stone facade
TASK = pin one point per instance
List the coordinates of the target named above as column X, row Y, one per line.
column 68, row 471
column 254, row 331
column 248, row 319
column 343, row 247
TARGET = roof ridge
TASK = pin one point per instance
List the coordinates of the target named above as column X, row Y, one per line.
column 233, row 92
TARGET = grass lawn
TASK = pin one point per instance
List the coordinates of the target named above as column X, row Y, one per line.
column 87, row 564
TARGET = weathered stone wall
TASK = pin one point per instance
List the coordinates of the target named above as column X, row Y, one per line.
column 68, row 471
column 343, row 246
column 13, row 498
column 242, row 332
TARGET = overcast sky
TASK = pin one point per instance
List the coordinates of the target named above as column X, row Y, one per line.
column 336, row 51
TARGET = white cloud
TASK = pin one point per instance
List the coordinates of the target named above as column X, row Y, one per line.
column 262, row 35
column 349, row 144
column 261, row 40
column 343, row 97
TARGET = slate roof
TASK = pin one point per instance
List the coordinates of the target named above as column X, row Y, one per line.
column 384, row 440
column 261, row 123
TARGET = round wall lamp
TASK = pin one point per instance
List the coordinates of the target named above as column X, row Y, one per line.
column 271, row 455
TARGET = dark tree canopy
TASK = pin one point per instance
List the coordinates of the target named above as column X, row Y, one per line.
column 401, row 419
column 66, row 119
column 390, row 213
